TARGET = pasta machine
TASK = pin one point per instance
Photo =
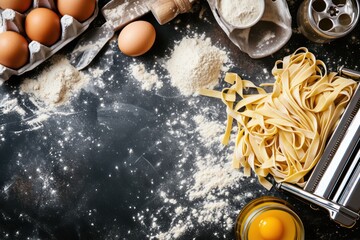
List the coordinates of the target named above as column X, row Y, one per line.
column 334, row 182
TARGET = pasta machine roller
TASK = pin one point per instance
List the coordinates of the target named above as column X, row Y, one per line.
column 334, row 182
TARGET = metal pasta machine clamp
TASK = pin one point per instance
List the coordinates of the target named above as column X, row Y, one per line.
column 334, row 182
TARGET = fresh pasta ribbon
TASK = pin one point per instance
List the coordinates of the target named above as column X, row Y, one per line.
column 283, row 133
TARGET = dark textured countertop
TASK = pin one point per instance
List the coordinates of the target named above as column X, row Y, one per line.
column 110, row 166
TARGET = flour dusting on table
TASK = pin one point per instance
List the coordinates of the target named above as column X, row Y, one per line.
column 204, row 189
column 148, row 79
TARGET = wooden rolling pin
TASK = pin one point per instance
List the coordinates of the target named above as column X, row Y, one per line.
column 166, row 10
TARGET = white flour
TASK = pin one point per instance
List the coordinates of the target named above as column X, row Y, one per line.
column 209, row 131
column 96, row 72
column 116, row 13
column 147, row 79
column 56, row 84
column 202, row 196
column 194, row 64
column 50, row 91
column 206, row 188
column 240, row 12
column 11, row 105
column 125, row 12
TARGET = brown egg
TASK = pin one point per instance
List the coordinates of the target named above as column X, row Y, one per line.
column 81, row 10
column 136, row 38
column 43, row 25
column 14, row 50
column 17, row 5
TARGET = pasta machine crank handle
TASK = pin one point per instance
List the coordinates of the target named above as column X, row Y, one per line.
column 338, row 213
column 349, row 73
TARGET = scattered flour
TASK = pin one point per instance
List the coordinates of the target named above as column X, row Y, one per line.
column 147, row 79
column 96, row 72
column 206, row 198
column 11, row 105
column 211, row 175
column 125, row 12
column 55, row 84
column 209, row 131
column 205, row 188
column 52, row 87
column 240, row 12
column 194, row 64
column 116, row 12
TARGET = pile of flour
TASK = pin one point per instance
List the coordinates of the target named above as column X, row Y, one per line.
column 195, row 63
column 56, row 84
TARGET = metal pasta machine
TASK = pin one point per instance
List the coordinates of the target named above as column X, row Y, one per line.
column 334, row 182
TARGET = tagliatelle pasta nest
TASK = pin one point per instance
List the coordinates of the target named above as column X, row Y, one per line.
column 284, row 132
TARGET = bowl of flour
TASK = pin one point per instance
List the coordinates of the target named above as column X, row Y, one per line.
column 240, row 14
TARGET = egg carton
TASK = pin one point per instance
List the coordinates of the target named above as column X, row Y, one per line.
column 11, row 20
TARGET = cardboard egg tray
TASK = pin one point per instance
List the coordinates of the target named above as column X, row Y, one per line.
column 11, row 20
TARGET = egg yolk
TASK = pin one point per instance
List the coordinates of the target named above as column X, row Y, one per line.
column 272, row 225
column 271, row 228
